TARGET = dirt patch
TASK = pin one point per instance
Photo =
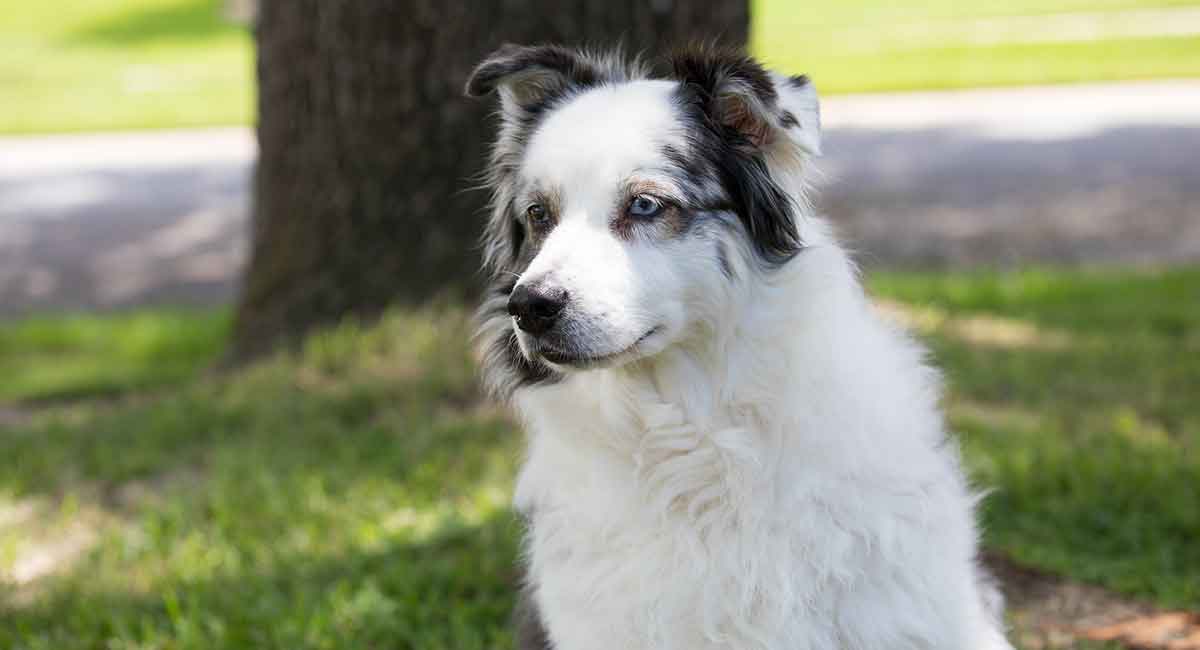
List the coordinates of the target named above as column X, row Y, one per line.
column 1049, row 611
column 1172, row 630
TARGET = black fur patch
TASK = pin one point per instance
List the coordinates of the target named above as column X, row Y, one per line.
column 713, row 68
column 709, row 78
column 564, row 63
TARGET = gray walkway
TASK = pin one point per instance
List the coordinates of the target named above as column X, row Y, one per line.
column 1081, row 174
column 1071, row 174
column 113, row 220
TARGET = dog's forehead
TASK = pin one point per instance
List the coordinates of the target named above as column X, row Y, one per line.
column 604, row 134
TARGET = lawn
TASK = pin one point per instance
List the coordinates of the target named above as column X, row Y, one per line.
column 75, row 65
column 880, row 45
column 81, row 65
column 66, row 357
column 354, row 494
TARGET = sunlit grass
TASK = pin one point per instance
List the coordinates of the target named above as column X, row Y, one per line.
column 939, row 67
column 876, row 45
column 355, row 494
column 76, row 65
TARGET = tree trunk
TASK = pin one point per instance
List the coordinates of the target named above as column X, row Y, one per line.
column 367, row 147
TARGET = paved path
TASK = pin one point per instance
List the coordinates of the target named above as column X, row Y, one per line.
column 114, row 220
column 1071, row 174
column 1074, row 174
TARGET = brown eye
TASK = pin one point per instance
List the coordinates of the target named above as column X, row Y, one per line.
column 537, row 214
column 644, row 206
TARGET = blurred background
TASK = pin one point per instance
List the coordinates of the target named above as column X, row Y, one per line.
column 237, row 406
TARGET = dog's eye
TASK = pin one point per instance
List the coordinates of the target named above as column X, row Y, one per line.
column 537, row 214
column 645, row 207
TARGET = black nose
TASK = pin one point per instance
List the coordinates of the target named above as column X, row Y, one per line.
column 536, row 309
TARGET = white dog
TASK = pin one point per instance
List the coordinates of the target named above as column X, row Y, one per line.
column 727, row 447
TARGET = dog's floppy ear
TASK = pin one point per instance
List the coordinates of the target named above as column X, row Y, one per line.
column 529, row 75
column 765, row 108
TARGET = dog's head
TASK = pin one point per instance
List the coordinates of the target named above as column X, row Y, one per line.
column 626, row 205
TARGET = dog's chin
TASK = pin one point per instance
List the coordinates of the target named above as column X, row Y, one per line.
column 562, row 356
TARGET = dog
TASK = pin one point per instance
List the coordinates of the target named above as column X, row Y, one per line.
column 727, row 447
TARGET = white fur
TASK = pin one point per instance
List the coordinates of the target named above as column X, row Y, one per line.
column 770, row 470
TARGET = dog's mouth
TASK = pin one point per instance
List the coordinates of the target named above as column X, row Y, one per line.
column 578, row 360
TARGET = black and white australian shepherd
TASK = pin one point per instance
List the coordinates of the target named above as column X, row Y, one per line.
column 727, row 447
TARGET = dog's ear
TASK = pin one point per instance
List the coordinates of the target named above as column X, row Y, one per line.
column 766, row 108
column 527, row 76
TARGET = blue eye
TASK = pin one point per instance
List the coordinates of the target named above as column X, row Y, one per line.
column 644, row 206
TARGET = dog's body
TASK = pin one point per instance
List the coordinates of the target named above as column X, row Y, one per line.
column 728, row 449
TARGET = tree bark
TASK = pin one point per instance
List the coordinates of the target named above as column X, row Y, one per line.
column 367, row 148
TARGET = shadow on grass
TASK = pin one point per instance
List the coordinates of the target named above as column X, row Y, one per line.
column 354, row 496
column 1089, row 445
column 452, row 591
column 185, row 20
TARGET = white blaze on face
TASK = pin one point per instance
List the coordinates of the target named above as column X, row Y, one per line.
column 605, row 134
column 586, row 154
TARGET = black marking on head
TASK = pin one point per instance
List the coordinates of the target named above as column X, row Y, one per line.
column 788, row 120
column 717, row 69
column 735, row 90
column 535, row 68
column 724, row 97
column 764, row 208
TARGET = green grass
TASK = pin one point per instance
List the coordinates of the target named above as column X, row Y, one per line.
column 353, row 498
column 878, row 45
column 355, row 494
column 76, row 65
column 1076, row 399
column 64, row 357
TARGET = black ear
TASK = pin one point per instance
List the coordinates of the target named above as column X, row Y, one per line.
column 766, row 108
column 527, row 75
column 750, row 119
